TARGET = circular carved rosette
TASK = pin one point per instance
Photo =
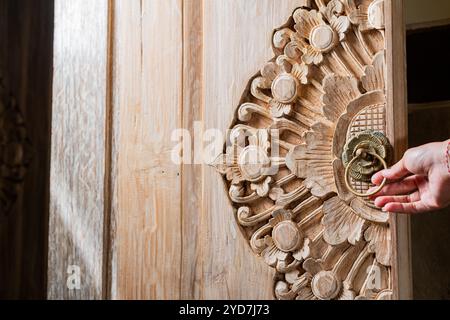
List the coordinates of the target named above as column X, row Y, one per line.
column 14, row 151
column 324, row 87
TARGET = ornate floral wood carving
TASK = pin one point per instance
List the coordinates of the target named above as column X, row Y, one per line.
column 325, row 85
column 14, row 151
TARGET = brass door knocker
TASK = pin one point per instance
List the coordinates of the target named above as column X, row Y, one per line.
column 364, row 155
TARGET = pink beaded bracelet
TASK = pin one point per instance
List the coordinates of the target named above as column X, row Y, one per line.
column 447, row 154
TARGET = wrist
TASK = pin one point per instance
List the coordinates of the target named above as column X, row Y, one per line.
column 441, row 159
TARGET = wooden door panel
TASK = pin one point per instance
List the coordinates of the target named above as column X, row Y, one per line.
column 323, row 95
column 147, row 95
column 79, row 145
column 236, row 43
column 163, row 229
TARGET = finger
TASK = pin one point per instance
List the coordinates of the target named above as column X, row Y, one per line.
column 406, row 208
column 405, row 186
column 397, row 171
column 378, row 178
column 381, row 202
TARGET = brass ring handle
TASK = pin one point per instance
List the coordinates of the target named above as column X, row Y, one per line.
column 349, row 186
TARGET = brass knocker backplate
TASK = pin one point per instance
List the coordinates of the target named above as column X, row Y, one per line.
column 364, row 155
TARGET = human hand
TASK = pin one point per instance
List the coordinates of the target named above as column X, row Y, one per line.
column 420, row 182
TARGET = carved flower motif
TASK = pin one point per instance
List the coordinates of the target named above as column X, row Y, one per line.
column 247, row 161
column 284, row 78
column 286, row 240
column 321, row 37
column 317, row 283
column 346, row 217
column 367, row 14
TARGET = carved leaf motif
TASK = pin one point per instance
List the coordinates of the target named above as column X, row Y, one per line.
column 341, row 26
column 306, row 21
column 247, row 110
column 303, row 252
column 379, row 239
column 358, row 13
column 312, row 56
column 282, row 37
column 341, row 223
column 339, row 92
column 313, row 160
column 262, row 188
column 270, row 71
column 272, row 254
column 333, row 8
column 374, row 75
column 279, row 109
column 227, row 166
column 283, row 292
column 366, row 14
column 368, row 213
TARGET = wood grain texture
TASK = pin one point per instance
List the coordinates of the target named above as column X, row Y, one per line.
column 191, row 174
column 148, row 83
column 397, row 122
column 78, row 147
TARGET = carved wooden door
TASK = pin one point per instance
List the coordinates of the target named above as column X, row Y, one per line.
column 307, row 88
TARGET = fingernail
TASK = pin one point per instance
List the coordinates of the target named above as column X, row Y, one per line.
column 384, row 209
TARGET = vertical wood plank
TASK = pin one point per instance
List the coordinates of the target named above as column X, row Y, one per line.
column 237, row 42
column 192, row 179
column 148, row 103
column 78, row 148
column 397, row 122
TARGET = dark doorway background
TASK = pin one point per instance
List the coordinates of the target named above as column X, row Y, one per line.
column 429, row 121
column 26, row 38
